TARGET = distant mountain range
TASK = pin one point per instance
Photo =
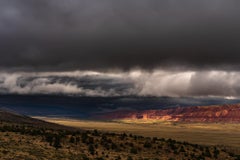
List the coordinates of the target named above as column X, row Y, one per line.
column 214, row 113
column 85, row 107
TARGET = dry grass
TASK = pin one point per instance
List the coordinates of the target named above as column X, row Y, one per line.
column 27, row 144
column 208, row 134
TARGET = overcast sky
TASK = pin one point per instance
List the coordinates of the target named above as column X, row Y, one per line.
column 190, row 41
column 93, row 34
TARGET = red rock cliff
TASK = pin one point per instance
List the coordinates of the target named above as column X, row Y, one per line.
column 217, row 113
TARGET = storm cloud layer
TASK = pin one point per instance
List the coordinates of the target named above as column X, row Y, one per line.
column 120, row 48
column 93, row 35
column 132, row 83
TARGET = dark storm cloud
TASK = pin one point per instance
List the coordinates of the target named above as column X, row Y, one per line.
column 93, row 34
column 158, row 83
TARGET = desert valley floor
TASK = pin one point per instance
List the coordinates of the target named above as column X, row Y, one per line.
column 200, row 133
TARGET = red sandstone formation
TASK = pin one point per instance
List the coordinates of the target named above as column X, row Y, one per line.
column 217, row 113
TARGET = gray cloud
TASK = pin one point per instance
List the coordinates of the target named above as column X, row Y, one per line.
column 133, row 83
column 93, row 34
column 66, row 83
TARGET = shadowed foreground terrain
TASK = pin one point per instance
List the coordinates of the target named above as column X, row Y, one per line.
column 24, row 142
column 29, row 141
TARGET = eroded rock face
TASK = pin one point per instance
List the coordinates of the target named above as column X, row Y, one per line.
column 217, row 113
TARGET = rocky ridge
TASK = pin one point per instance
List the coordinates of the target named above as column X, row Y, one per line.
column 217, row 113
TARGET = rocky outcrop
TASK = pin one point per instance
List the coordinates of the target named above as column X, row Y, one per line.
column 217, row 113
